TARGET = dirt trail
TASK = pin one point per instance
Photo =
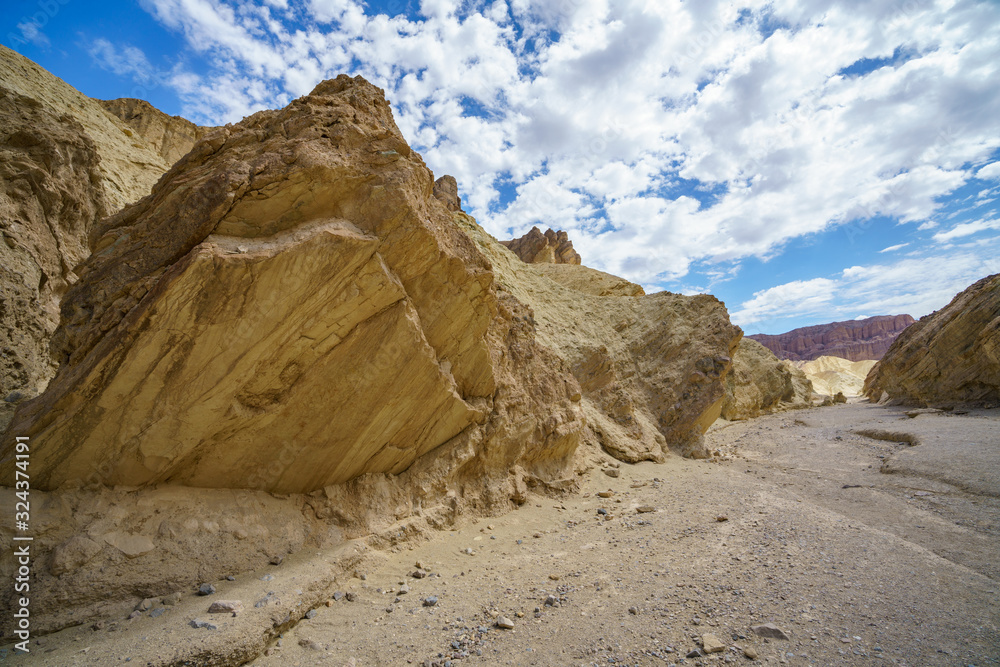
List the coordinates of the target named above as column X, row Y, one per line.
column 796, row 525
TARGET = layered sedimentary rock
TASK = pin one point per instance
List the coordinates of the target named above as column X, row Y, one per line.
column 170, row 136
column 855, row 340
column 760, row 383
column 292, row 310
column 549, row 248
column 950, row 356
column 833, row 375
column 650, row 367
column 63, row 164
column 446, row 192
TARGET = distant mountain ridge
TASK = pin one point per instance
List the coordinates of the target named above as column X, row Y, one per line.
column 855, row 340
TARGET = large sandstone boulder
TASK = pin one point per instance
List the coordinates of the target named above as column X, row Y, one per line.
column 171, row 136
column 552, row 247
column 759, row 384
column 63, row 165
column 856, row 340
column 950, row 356
column 294, row 323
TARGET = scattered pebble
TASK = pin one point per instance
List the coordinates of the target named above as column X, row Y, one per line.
column 769, row 630
column 206, row 589
column 204, row 625
column 505, row 623
column 225, row 607
column 712, row 644
column 430, row 600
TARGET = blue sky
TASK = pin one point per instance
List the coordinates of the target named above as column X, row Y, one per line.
column 804, row 161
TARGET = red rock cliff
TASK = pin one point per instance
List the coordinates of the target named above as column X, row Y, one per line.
column 856, row 340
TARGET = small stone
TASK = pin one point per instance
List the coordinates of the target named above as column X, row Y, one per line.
column 205, row 625
column 338, row 595
column 97, row 626
column 750, row 653
column 134, row 615
column 554, row 577
column 645, row 509
column 310, row 644
column 601, row 510
column 156, row 613
column 634, row 611
column 311, row 614
column 769, row 630
column 537, row 535
column 505, row 623
column 552, row 601
column 277, row 560
column 611, row 472
column 721, row 518
column 419, row 573
column 206, row 589
column 605, row 494
column 712, row 644
column 171, row 599
column 145, row 605
column 696, row 653
column 230, row 577
column 430, row 600
column 469, row 551
column 267, row 577
column 225, row 607
column 351, row 597
column 404, row 589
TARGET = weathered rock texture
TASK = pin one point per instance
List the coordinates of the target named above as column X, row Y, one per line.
column 650, row 367
column 293, row 311
column 950, row 356
column 549, row 248
column 171, row 136
column 760, row 383
column 833, row 375
column 63, row 164
column 856, row 340
column 446, row 192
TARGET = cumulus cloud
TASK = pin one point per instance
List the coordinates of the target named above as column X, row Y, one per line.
column 661, row 135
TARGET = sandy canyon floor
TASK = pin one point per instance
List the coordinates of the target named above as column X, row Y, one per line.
column 866, row 536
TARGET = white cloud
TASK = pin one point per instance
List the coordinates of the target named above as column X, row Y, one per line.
column 661, row 135
column 989, row 172
column 894, row 248
column 966, row 229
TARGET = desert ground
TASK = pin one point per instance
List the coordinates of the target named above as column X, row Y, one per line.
column 866, row 536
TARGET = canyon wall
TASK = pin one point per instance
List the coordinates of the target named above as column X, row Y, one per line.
column 855, row 340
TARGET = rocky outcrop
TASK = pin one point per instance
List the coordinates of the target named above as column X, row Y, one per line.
column 63, row 164
column 446, row 192
column 760, row 384
column 855, row 340
column 170, row 136
column 833, row 375
column 950, row 356
column 549, row 248
column 292, row 315
column 589, row 281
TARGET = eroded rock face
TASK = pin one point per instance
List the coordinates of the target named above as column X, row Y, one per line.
column 63, row 164
column 950, row 356
column 292, row 266
column 170, row 136
column 549, row 248
column 446, row 192
column 856, row 340
column 651, row 368
column 759, row 384
column 833, row 375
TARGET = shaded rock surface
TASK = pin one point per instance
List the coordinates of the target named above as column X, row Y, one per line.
column 950, row 356
column 171, row 136
column 855, row 340
column 63, row 164
column 446, row 192
column 759, row 384
column 552, row 247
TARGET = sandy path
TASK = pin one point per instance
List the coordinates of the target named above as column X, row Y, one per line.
column 897, row 568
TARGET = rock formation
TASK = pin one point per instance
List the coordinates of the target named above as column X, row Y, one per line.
column 855, row 340
column 548, row 248
column 950, row 356
column 446, row 192
column 759, row 384
column 170, row 136
column 63, row 164
column 833, row 375
column 292, row 310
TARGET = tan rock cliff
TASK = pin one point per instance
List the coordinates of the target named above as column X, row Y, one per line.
column 833, row 375
column 170, row 136
column 63, row 164
column 759, row 384
column 855, row 340
column 549, row 248
column 950, row 356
